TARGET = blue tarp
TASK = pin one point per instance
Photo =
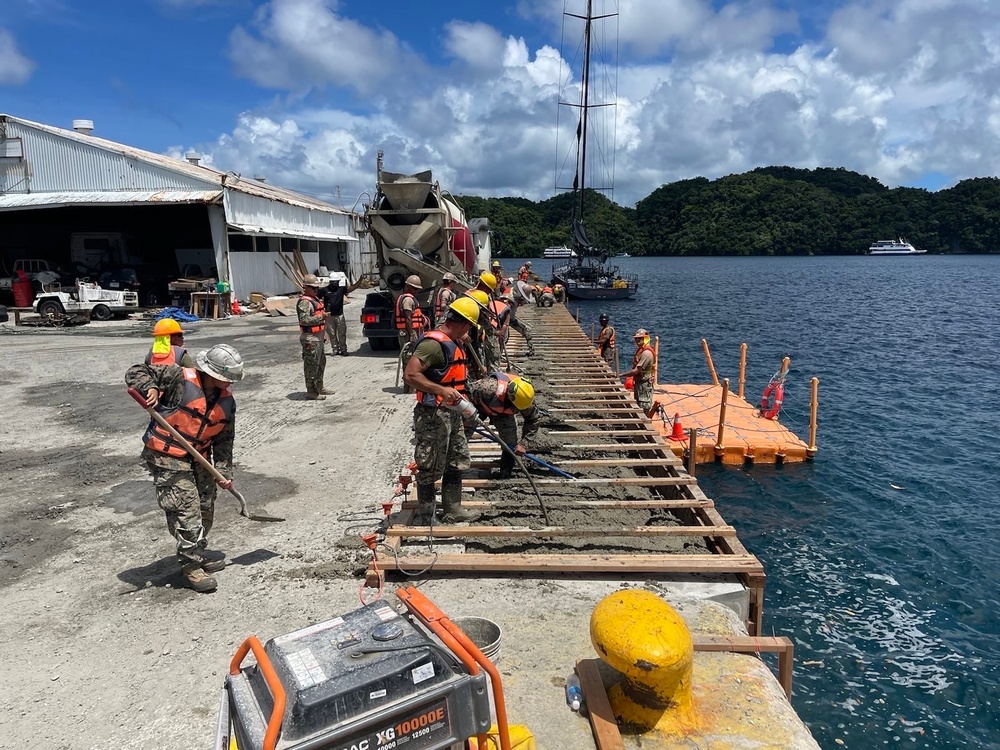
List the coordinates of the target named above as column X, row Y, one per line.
column 178, row 314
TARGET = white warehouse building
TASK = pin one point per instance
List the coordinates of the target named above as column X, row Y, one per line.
column 85, row 204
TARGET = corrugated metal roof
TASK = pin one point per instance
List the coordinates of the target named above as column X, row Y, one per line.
column 88, row 171
column 19, row 201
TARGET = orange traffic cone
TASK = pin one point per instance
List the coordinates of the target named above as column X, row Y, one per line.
column 678, row 431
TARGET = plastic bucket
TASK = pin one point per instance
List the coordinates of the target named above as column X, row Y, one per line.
column 486, row 634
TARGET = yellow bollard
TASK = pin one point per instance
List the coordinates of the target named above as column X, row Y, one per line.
column 645, row 639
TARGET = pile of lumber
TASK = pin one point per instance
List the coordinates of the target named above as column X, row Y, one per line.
column 294, row 267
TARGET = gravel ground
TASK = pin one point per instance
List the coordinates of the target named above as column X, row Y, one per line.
column 103, row 647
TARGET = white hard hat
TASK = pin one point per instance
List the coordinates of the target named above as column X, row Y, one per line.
column 222, row 362
column 449, row 277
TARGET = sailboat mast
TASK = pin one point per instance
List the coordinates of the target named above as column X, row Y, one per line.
column 585, row 103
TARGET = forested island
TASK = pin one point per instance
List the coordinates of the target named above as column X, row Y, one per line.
column 768, row 211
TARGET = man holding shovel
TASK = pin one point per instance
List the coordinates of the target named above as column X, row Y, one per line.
column 499, row 397
column 199, row 404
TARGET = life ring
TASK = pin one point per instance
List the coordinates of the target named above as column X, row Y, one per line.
column 770, row 401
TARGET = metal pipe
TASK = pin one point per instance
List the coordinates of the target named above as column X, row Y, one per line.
column 722, row 418
column 708, row 358
column 813, row 412
column 743, row 367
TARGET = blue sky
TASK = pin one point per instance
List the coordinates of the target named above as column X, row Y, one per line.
column 306, row 91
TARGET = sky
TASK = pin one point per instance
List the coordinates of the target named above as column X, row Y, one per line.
column 306, row 92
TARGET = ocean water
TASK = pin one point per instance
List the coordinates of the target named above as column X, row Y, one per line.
column 882, row 555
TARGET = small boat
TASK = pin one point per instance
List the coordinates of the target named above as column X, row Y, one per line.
column 623, row 255
column 893, row 247
column 559, row 252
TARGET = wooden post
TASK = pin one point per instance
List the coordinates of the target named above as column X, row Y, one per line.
column 708, row 358
column 617, row 367
column 743, row 366
column 722, row 418
column 656, row 361
column 692, row 449
column 813, row 412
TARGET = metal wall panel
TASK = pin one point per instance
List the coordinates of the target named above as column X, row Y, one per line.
column 257, row 215
column 256, row 272
column 55, row 163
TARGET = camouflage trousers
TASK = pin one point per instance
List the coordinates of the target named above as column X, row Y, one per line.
column 313, row 362
column 643, row 390
column 441, row 444
column 188, row 499
column 336, row 332
column 523, row 328
column 609, row 355
column 491, row 353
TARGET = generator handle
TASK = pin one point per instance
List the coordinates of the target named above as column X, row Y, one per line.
column 449, row 632
column 273, row 684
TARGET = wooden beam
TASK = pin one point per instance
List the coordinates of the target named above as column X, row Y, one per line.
column 583, row 563
column 588, row 482
column 633, row 463
column 604, row 504
column 521, row 532
column 602, row 719
column 747, row 644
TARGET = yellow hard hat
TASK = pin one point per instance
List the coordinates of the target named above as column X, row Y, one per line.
column 479, row 296
column 521, row 392
column 489, row 279
column 167, row 327
column 466, row 309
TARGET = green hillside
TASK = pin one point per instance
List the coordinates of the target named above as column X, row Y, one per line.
column 768, row 211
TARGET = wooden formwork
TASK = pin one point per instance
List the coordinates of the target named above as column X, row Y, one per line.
column 583, row 394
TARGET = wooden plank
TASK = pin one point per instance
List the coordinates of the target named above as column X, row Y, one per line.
column 605, row 504
column 583, row 563
column 750, row 644
column 602, row 718
column 613, row 447
column 563, row 463
column 607, row 433
column 587, row 482
column 522, row 532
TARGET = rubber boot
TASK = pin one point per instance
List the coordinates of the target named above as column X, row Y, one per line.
column 506, row 465
column 451, row 500
column 425, row 505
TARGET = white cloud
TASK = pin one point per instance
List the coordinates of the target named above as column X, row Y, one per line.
column 15, row 68
column 894, row 89
column 294, row 44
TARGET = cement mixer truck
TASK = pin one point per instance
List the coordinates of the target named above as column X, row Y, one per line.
column 416, row 228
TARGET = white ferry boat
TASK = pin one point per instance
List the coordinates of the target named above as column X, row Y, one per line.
column 559, row 252
column 893, row 247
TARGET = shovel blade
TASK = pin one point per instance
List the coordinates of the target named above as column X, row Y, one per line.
column 262, row 517
column 247, row 513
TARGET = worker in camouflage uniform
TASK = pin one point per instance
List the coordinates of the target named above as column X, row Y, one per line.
column 437, row 371
column 606, row 340
column 643, row 365
column 199, row 404
column 499, row 397
column 484, row 348
column 312, row 324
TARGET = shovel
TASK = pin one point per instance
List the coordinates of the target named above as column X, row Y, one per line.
column 158, row 418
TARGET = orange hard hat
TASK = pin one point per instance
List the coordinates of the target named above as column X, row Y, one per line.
column 167, row 327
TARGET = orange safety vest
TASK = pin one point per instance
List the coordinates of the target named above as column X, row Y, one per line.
column 316, row 307
column 547, row 290
column 439, row 306
column 452, row 375
column 499, row 405
column 194, row 419
column 635, row 360
column 523, row 276
column 173, row 357
column 418, row 315
column 610, row 343
column 502, row 312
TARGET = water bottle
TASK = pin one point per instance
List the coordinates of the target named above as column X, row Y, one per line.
column 574, row 693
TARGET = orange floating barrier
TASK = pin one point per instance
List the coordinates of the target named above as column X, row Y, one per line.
column 747, row 435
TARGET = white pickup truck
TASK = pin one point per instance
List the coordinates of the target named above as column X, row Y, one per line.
column 102, row 304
